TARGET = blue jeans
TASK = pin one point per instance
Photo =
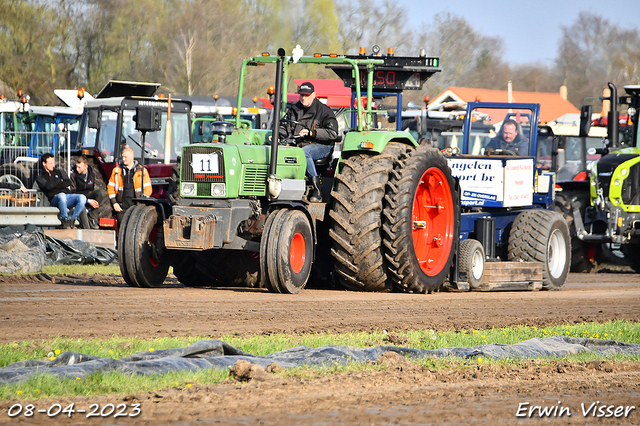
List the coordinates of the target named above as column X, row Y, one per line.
column 315, row 151
column 64, row 201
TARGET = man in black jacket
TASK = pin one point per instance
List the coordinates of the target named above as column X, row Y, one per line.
column 317, row 128
column 83, row 179
column 56, row 186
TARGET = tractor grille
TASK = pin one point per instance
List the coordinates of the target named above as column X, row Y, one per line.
column 187, row 172
column 631, row 186
column 254, row 180
column 606, row 166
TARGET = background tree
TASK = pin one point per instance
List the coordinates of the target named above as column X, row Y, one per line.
column 592, row 52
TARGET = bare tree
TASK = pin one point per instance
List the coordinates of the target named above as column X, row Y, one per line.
column 592, row 52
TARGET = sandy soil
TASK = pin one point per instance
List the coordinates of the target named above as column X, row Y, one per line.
column 43, row 307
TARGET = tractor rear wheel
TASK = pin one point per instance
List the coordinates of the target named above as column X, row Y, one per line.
column 146, row 261
column 420, row 221
column 227, row 268
column 360, row 186
column 542, row 236
column 471, row 263
column 580, row 262
column 184, row 268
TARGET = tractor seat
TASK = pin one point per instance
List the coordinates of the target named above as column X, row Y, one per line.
column 323, row 161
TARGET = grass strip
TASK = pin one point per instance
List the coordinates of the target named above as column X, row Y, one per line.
column 117, row 347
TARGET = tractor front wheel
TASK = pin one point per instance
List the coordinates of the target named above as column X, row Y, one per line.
column 288, row 251
column 142, row 243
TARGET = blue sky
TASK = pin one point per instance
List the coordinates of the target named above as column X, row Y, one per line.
column 530, row 30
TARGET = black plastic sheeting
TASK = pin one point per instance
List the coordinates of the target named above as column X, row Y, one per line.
column 209, row 354
column 27, row 249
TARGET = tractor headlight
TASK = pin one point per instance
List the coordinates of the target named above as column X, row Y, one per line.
column 188, row 189
column 218, row 190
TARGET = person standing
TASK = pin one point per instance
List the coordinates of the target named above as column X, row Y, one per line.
column 318, row 129
column 56, row 186
column 126, row 183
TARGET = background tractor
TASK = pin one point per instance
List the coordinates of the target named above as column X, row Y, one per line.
column 613, row 214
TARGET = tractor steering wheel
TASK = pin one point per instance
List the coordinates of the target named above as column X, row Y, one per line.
column 287, row 120
column 499, row 151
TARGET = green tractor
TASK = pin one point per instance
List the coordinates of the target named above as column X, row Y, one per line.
column 613, row 218
column 243, row 217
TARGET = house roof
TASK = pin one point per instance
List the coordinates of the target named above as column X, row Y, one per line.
column 552, row 105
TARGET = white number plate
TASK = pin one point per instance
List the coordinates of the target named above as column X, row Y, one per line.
column 205, row 163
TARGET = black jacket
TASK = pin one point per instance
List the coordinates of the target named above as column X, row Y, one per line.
column 53, row 183
column 81, row 186
column 319, row 119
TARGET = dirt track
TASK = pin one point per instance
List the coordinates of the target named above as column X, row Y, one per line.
column 103, row 306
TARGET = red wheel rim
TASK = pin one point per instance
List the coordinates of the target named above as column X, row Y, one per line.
column 433, row 221
column 297, row 252
column 153, row 238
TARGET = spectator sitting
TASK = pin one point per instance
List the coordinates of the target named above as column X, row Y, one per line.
column 83, row 179
column 56, row 186
column 12, row 186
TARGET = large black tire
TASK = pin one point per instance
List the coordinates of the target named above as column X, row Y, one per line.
column 273, row 238
column 184, row 268
column 227, row 268
column 359, row 189
column 632, row 255
column 542, row 236
column 580, row 262
column 418, row 238
column 13, row 173
column 122, row 258
column 471, row 263
column 265, row 281
column 147, row 261
column 290, row 252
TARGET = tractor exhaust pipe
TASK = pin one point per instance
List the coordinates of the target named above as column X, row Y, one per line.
column 277, row 110
column 612, row 120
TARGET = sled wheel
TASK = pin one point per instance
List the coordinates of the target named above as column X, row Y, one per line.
column 471, row 264
column 420, row 223
column 144, row 250
column 293, row 252
column 542, row 236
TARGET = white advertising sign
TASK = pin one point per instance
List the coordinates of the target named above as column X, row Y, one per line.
column 481, row 181
column 518, row 182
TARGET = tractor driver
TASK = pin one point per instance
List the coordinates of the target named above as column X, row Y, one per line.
column 317, row 128
column 509, row 139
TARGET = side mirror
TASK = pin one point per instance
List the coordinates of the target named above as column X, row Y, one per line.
column 94, row 118
column 201, row 128
column 585, row 120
